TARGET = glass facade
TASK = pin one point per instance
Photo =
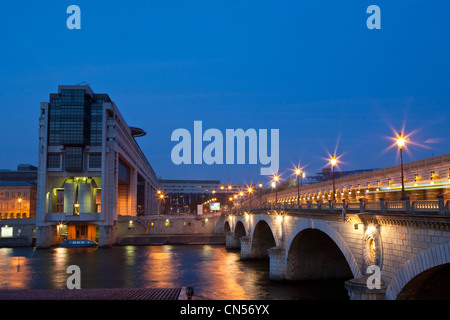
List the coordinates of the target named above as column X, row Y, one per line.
column 54, row 161
column 95, row 160
column 74, row 159
column 96, row 122
column 75, row 121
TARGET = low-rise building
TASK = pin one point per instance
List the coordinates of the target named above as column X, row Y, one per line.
column 17, row 200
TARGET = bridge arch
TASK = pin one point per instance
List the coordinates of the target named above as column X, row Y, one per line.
column 421, row 271
column 239, row 231
column 310, row 234
column 226, row 226
column 263, row 238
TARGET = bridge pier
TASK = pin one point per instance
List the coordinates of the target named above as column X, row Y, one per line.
column 230, row 241
column 277, row 263
column 47, row 236
column 358, row 290
column 107, row 236
column 246, row 247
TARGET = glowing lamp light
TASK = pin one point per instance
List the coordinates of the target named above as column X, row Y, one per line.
column 400, row 141
column 333, row 161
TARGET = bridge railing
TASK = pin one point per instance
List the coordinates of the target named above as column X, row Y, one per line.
column 440, row 206
column 425, row 205
column 396, row 206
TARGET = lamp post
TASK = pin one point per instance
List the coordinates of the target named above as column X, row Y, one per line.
column 20, row 202
column 161, row 196
column 241, row 194
column 333, row 162
column 298, row 173
column 260, row 193
column 250, row 191
column 401, row 143
column 275, row 179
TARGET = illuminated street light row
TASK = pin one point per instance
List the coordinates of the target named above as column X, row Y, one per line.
column 401, row 140
column 300, row 174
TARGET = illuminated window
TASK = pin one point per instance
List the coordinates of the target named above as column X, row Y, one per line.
column 7, row 232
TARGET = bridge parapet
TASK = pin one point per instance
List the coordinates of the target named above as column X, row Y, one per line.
column 441, row 206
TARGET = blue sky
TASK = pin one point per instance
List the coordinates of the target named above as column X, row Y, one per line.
column 311, row 69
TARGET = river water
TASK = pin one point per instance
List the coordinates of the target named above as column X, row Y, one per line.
column 213, row 272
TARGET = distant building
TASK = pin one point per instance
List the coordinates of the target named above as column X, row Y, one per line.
column 17, row 200
column 91, row 169
column 183, row 196
column 25, row 173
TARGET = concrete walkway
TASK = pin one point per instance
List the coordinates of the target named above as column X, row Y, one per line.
column 94, row 294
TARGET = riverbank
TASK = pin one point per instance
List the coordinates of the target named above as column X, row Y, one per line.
column 172, row 239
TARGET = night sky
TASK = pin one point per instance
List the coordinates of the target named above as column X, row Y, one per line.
column 311, row 69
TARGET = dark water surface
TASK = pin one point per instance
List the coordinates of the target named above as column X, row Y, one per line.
column 212, row 271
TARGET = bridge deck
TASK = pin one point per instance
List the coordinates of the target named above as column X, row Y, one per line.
column 93, row 294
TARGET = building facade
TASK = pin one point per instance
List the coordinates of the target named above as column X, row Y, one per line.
column 91, row 169
column 17, row 200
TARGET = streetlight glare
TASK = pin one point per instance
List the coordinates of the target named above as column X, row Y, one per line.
column 333, row 161
column 400, row 141
column 297, row 171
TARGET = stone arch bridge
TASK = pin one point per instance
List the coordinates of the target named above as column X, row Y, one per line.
column 411, row 251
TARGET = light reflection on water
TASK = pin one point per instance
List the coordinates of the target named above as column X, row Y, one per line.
column 212, row 271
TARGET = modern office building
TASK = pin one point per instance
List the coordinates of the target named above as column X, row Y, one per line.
column 91, row 169
column 183, row 196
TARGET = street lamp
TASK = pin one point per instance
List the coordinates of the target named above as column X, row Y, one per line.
column 333, row 162
column 275, row 179
column 250, row 191
column 241, row 194
column 161, row 196
column 20, row 202
column 401, row 143
column 298, row 172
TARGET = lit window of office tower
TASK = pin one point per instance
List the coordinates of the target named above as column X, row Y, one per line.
column 91, row 169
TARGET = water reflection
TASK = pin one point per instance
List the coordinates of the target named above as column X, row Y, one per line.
column 213, row 271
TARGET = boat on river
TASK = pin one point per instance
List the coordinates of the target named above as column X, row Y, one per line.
column 78, row 243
